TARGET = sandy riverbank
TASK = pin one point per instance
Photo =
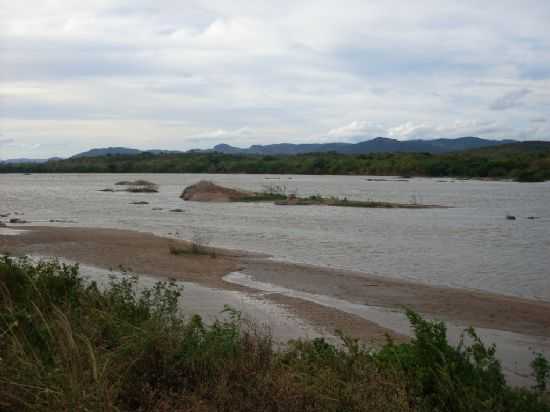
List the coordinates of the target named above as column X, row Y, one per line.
column 146, row 253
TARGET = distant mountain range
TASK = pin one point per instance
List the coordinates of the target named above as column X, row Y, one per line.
column 377, row 145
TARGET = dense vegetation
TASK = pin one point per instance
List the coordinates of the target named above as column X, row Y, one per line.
column 528, row 161
column 68, row 345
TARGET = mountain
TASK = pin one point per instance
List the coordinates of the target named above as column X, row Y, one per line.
column 109, row 151
column 377, row 145
column 121, row 151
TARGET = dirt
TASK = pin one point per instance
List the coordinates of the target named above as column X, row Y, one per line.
column 206, row 191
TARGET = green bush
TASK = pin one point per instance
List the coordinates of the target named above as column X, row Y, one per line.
column 455, row 379
column 67, row 344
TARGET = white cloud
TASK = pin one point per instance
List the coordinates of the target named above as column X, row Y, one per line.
column 455, row 129
column 412, row 130
column 358, row 128
column 243, row 131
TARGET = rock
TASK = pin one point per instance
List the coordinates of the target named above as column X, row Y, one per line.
column 510, row 217
column 106, row 190
column 2, row 224
column 5, row 215
column 142, row 189
column 157, row 208
column 206, row 191
column 177, row 210
column 139, row 186
column 533, row 217
column 139, row 203
column 135, row 183
column 17, row 220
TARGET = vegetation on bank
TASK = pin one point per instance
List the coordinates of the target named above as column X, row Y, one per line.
column 529, row 161
column 68, row 345
column 319, row 200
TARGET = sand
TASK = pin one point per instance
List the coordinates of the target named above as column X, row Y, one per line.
column 149, row 254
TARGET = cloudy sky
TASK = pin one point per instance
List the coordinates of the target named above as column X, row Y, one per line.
column 193, row 73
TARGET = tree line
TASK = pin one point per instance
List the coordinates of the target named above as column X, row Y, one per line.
column 522, row 162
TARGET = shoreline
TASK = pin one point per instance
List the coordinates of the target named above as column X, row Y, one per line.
column 149, row 254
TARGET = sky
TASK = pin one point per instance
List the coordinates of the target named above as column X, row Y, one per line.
column 194, row 73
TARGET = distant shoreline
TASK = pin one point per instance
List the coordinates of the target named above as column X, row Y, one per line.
column 524, row 162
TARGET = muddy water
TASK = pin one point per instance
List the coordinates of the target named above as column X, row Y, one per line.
column 471, row 245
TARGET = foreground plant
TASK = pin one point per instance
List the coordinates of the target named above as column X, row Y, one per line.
column 67, row 344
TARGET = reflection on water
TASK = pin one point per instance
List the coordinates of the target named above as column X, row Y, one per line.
column 472, row 245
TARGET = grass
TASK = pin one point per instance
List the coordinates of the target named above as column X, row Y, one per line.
column 142, row 189
column 139, row 186
column 68, row 345
column 278, row 194
column 135, row 186
column 262, row 197
column 138, row 182
column 194, row 248
column 344, row 202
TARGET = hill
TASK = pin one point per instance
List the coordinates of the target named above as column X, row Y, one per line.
column 109, row 151
column 377, row 145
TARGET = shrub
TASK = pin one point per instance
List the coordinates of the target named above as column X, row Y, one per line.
column 67, row 344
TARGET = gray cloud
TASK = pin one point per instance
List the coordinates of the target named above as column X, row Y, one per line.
column 118, row 72
column 509, row 100
column 6, row 141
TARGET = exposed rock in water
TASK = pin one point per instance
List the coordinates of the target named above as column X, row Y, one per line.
column 177, row 210
column 139, row 186
column 139, row 203
column 510, row 217
column 17, row 220
column 142, row 189
column 139, row 182
column 2, row 224
column 206, row 191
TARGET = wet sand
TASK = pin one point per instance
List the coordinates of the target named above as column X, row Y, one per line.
column 461, row 306
column 149, row 254
column 145, row 253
